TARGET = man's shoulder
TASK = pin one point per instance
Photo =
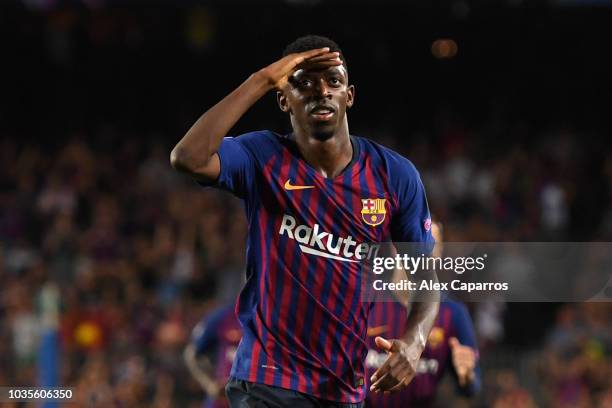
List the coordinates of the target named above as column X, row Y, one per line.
column 218, row 315
column 388, row 159
column 256, row 137
column 261, row 144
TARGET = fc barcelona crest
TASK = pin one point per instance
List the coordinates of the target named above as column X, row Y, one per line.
column 436, row 336
column 373, row 210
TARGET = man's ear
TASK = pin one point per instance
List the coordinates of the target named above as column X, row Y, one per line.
column 350, row 96
column 281, row 98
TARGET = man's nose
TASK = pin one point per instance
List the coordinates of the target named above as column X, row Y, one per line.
column 322, row 89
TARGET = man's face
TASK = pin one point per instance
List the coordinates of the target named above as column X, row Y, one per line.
column 316, row 99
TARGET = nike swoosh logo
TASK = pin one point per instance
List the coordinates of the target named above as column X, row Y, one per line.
column 289, row 186
column 375, row 331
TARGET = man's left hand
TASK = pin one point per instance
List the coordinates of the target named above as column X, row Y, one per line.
column 399, row 368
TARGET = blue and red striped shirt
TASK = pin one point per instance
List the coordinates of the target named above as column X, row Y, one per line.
column 388, row 319
column 304, row 322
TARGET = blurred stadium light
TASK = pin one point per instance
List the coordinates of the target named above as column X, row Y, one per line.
column 444, row 48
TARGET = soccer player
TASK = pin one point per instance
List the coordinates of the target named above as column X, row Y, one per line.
column 318, row 202
column 451, row 345
column 210, row 354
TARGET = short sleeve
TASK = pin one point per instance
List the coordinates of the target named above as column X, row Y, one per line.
column 412, row 220
column 462, row 325
column 237, row 168
column 204, row 336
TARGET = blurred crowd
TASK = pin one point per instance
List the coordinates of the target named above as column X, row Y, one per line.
column 576, row 369
column 138, row 253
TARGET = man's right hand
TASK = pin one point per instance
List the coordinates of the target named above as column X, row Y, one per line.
column 278, row 73
column 196, row 153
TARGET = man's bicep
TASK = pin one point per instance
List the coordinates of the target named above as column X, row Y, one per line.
column 209, row 173
column 232, row 168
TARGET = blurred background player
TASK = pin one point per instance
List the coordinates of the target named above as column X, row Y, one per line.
column 210, row 354
column 451, row 345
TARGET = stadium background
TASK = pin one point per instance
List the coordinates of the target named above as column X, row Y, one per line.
column 511, row 135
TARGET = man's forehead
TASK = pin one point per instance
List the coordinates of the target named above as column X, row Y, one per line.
column 340, row 69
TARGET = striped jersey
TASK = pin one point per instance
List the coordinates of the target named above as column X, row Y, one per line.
column 304, row 322
column 217, row 336
column 388, row 319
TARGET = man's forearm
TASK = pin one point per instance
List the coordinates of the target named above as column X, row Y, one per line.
column 202, row 140
column 201, row 376
column 421, row 319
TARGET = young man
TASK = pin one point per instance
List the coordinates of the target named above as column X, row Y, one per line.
column 451, row 347
column 317, row 201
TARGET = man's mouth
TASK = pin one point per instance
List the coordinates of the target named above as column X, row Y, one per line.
column 322, row 112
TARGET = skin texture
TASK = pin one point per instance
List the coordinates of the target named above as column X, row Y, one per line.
column 324, row 144
column 304, row 82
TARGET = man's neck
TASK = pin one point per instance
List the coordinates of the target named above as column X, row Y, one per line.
column 328, row 157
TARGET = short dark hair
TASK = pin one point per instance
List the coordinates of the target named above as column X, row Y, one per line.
column 311, row 42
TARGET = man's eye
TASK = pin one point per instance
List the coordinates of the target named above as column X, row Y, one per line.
column 305, row 82
column 334, row 81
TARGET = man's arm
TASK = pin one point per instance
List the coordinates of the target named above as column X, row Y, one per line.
column 464, row 360
column 422, row 316
column 195, row 154
column 464, row 352
column 208, row 384
column 412, row 225
column 404, row 354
